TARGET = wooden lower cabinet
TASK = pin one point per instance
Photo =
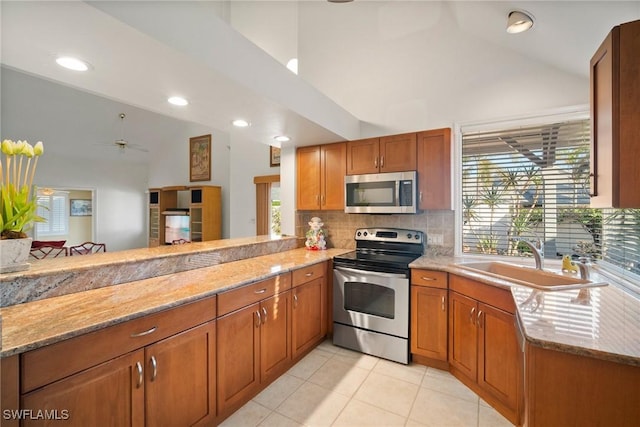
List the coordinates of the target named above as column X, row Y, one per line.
column 109, row 394
column 180, row 383
column 254, row 348
column 429, row 319
column 483, row 344
column 577, row 390
column 169, row 383
column 309, row 316
column 238, row 357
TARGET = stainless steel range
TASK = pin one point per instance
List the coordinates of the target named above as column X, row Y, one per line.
column 371, row 292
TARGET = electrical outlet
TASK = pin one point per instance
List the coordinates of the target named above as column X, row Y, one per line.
column 435, row 239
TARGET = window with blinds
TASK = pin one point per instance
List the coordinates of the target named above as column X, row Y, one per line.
column 53, row 209
column 533, row 183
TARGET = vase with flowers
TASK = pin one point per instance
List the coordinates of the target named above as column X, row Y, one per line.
column 18, row 202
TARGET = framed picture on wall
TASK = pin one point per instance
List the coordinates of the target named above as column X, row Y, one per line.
column 200, row 158
column 80, row 207
column 275, row 156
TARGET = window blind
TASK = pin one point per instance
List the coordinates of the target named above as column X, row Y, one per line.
column 527, row 183
column 533, row 182
column 53, row 209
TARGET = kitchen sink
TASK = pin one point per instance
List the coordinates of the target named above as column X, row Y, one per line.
column 527, row 276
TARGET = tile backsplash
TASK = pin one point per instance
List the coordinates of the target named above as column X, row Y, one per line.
column 340, row 227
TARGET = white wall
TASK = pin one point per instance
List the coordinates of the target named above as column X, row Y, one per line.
column 248, row 160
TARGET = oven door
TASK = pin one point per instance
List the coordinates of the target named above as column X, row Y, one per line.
column 371, row 300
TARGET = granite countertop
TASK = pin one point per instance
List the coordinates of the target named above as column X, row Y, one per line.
column 38, row 323
column 603, row 322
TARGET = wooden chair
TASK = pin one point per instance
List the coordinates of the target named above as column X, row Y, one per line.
column 48, row 251
column 179, row 242
column 87, row 248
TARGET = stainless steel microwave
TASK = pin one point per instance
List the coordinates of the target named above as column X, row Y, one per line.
column 384, row 193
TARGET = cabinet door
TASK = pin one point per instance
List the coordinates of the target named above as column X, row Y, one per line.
column 434, row 169
column 499, row 367
column 463, row 337
column 238, row 349
column 109, row 394
column 333, row 163
column 180, row 379
column 429, row 322
column 308, row 167
column 309, row 311
column 275, row 335
column 398, row 153
column 363, row 156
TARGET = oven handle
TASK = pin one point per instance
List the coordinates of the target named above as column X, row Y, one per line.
column 371, row 273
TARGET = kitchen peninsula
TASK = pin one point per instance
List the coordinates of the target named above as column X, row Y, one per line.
column 118, row 332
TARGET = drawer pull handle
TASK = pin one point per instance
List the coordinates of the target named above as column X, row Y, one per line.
column 260, row 291
column 428, row 278
column 471, row 315
column 264, row 315
column 443, row 301
column 147, row 332
column 258, row 319
column 295, row 301
column 154, row 368
column 140, row 376
column 309, row 274
column 480, row 318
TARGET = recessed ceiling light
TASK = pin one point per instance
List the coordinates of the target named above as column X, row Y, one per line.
column 241, row 123
column 72, row 63
column 178, row 100
column 282, row 138
column 518, row 22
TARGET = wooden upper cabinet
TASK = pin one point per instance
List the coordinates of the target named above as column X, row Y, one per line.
column 320, row 172
column 333, row 161
column 434, row 169
column 308, row 172
column 363, row 156
column 615, row 119
column 396, row 153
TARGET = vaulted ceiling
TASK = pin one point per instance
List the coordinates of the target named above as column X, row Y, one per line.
column 366, row 67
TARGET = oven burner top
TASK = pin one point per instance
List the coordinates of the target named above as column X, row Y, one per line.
column 375, row 260
column 383, row 249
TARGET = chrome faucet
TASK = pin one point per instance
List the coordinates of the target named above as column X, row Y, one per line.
column 585, row 268
column 537, row 250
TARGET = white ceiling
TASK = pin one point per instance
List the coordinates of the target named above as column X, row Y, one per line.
column 363, row 65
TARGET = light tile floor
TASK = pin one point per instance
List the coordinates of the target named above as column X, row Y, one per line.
column 333, row 386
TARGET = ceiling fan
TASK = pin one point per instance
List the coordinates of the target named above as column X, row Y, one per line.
column 122, row 144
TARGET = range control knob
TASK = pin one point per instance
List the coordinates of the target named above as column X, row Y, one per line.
column 408, row 235
column 359, row 233
column 417, row 236
column 366, row 234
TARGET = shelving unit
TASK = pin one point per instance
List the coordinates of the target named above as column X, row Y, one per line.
column 159, row 200
column 205, row 213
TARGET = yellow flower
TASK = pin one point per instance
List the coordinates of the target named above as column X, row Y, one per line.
column 38, row 149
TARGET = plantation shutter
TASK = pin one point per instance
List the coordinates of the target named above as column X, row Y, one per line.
column 621, row 240
column 53, row 209
column 527, row 183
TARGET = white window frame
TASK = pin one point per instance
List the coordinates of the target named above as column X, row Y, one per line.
column 65, row 217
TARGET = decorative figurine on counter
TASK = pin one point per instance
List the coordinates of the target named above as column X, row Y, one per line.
column 315, row 235
column 568, row 265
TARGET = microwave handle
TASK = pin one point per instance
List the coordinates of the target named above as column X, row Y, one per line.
column 397, row 192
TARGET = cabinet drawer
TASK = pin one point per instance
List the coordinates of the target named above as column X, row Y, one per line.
column 307, row 274
column 430, row 278
column 491, row 295
column 59, row 360
column 241, row 297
